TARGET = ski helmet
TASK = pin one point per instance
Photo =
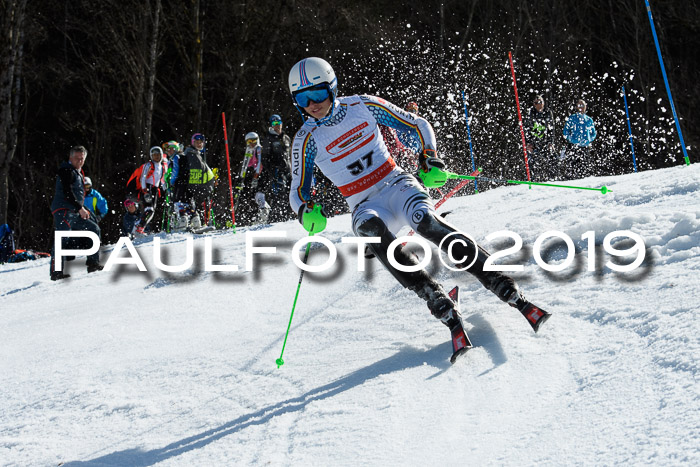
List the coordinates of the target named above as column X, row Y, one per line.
column 275, row 118
column 156, row 150
column 197, row 137
column 252, row 135
column 171, row 145
column 312, row 74
column 87, row 181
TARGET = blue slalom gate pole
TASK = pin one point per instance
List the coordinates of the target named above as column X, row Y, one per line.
column 629, row 128
column 469, row 138
column 668, row 89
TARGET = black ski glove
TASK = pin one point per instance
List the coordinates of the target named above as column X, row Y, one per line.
column 428, row 160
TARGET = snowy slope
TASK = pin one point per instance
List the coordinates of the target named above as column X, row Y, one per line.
column 132, row 368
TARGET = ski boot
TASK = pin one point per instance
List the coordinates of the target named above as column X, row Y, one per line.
column 446, row 309
column 509, row 292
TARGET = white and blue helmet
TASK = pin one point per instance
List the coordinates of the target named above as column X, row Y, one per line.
column 311, row 74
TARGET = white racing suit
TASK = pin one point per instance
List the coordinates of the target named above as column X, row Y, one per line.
column 350, row 151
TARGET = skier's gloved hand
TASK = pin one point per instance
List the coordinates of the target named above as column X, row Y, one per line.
column 428, row 160
column 254, row 183
column 432, row 170
column 313, row 217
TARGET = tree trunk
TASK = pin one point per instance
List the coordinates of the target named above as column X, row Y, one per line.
column 11, row 50
column 150, row 93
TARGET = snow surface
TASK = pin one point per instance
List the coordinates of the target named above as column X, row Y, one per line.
column 132, row 368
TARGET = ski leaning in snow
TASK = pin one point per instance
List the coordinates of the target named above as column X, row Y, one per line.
column 453, row 320
column 203, row 229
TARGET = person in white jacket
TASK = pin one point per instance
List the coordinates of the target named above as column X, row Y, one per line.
column 151, row 180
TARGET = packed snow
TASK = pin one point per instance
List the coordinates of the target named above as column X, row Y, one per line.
column 125, row 367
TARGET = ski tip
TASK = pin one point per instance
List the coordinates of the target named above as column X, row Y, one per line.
column 455, row 356
column 454, row 293
column 541, row 321
column 535, row 315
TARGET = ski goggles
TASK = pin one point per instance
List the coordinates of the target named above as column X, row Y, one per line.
column 315, row 94
column 251, row 141
column 278, row 122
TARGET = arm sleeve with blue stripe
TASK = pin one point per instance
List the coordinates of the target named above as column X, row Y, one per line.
column 303, row 162
column 414, row 132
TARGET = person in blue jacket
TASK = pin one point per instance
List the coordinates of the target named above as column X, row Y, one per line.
column 94, row 201
column 579, row 132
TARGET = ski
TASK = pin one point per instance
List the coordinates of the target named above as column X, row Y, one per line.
column 203, row 229
column 535, row 315
column 460, row 340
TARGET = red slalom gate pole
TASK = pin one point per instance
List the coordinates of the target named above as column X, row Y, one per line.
column 520, row 117
column 228, row 165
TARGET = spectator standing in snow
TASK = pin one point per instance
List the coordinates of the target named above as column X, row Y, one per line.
column 192, row 179
column 579, row 132
column 276, row 150
column 539, row 136
column 94, row 201
column 69, row 212
column 131, row 219
column 152, row 178
column 253, row 152
column 172, row 155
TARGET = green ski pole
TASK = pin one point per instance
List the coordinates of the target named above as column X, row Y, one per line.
column 317, row 219
column 437, row 177
column 279, row 361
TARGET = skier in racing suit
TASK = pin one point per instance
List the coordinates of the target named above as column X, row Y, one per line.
column 341, row 137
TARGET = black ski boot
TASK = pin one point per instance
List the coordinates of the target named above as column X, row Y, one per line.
column 446, row 309
column 94, row 267
column 508, row 291
column 57, row 276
